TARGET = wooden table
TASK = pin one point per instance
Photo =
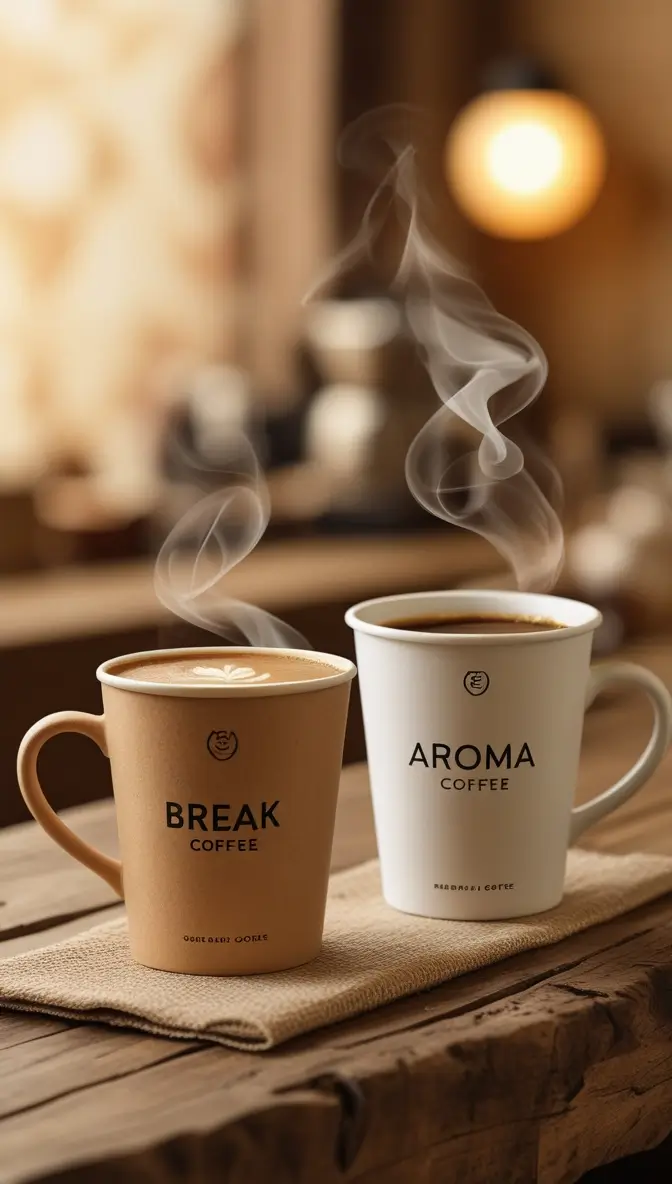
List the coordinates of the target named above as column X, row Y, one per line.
column 538, row 1069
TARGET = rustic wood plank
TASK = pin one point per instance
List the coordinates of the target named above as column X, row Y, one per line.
column 525, row 1059
column 26, row 850
column 534, row 1070
column 19, row 1028
column 652, row 1165
column 83, row 1056
column 40, row 886
column 34, row 939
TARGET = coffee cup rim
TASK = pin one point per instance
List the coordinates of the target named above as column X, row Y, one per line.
column 344, row 671
column 573, row 616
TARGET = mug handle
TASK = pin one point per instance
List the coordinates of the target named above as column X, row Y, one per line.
column 659, row 697
column 84, row 724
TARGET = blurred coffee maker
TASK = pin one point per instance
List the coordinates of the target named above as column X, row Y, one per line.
column 373, row 398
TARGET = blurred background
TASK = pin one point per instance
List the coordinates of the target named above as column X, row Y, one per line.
column 169, row 191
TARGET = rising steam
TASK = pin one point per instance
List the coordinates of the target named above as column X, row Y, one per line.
column 208, row 541
column 484, row 368
column 461, row 466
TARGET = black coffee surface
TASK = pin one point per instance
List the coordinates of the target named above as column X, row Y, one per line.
column 473, row 624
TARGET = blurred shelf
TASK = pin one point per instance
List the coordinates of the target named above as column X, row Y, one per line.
column 85, row 601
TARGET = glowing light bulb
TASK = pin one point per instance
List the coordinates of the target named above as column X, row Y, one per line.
column 525, row 158
column 525, row 164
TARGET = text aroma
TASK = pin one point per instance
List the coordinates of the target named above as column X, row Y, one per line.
column 468, row 756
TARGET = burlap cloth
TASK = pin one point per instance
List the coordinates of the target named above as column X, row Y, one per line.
column 371, row 955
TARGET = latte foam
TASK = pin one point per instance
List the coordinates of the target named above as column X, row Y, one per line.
column 229, row 668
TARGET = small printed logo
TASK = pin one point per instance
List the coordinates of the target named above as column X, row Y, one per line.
column 222, row 745
column 476, row 682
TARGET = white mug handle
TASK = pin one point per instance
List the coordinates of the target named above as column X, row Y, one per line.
column 659, row 696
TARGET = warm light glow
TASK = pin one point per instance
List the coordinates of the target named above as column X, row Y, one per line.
column 119, row 219
column 525, row 158
column 29, row 22
column 42, row 160
column 525, row 164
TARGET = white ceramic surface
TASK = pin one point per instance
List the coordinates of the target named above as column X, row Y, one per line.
column 473, row 744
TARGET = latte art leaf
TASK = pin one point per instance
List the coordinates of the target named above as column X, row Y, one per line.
column 230, row 673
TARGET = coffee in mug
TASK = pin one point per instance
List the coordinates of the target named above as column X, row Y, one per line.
column 225, row 767
column 191, row 670
column 473, row 625
column 473, row 707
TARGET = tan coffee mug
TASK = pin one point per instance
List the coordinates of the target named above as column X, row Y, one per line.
column 225, row 797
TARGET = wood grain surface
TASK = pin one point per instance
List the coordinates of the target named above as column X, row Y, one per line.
column 537, row 1069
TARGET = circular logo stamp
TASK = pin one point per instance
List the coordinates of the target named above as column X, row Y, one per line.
column 222, row 745
column 476, row 682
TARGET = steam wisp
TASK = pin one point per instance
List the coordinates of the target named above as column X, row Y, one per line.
column 484, row 368
column 208, row 541
column 461, row 466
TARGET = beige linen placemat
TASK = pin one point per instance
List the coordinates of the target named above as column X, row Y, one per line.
column 371, row 955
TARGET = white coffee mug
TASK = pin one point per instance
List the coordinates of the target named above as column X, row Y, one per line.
column 473, row 745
